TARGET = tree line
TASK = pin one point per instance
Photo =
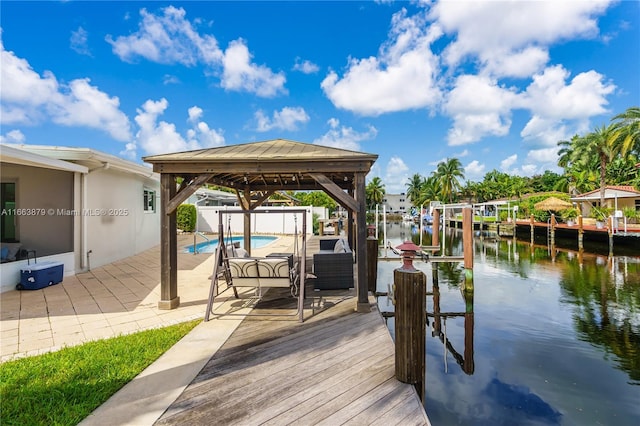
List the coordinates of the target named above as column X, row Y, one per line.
column 608, row 155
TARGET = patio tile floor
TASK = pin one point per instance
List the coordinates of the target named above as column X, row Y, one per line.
column 117, row 298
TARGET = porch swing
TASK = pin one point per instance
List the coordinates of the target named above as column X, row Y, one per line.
column 273, row 271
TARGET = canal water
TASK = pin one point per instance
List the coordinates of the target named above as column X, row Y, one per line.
column 547, row 338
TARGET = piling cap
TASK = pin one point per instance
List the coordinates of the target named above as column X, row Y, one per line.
column 408, row 246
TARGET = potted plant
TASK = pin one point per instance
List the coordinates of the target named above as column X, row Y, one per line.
column 569, row 215
column 600, row 214
column 631, row 214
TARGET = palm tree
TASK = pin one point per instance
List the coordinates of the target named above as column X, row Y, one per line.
column 449, row 172
column 374, row 192
column 601, row 144
column 627, row 129
column 413, row 188
column 430, row 190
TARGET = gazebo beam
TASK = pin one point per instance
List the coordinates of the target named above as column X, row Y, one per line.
column 186, row 192
column 335, row 190
column 258, row 167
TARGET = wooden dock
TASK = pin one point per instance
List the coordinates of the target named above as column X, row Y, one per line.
column 335, row 368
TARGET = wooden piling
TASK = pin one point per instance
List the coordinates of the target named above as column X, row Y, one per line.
column 372, row 260
column 410, row 326
column 435, row 233
column 467, row 242
column 580, row 233
column 533, row 228
column 610, row 232
column 552, row 230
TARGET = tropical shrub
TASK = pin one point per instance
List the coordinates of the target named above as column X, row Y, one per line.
column 186, row 217
column 600, row 213
column 631, row 214
column 541, row 215
column 569, row 214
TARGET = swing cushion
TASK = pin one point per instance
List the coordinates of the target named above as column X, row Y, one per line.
column 260, row 272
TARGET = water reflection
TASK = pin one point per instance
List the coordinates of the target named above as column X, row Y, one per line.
column 550, row 335
column 464, row 361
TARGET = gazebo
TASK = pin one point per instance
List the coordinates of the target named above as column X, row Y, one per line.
column 255, row 171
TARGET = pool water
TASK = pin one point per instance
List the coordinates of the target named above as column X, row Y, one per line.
column 257, row 241
column 551, row 339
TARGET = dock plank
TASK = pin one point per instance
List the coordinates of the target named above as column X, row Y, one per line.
column 335, row 368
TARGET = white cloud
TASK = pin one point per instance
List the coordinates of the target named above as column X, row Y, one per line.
column 28, row 98
column 549, row 96
column 195, row 113
column 479, row 107
column 402, row 77
column 344, row 137
column 170, row 79
column 159, row 137
column 287, row 118
column 169, row 38
column 474, row 171
column 506, row 164
column 13, row 136
column 241, row 74
column 305, row 67
column 544, row 155
column 396, row 176
column 515, row 34
column 464, row 153
column 529, row 170
column 79, row 41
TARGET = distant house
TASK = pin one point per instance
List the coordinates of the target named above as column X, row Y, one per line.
column 79, row 206
column 397, row 203
column 212, row 197
column 615, row 197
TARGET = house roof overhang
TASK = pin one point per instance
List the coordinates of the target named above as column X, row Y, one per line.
column 13, row 155
column 88, row 158
column 610, row 193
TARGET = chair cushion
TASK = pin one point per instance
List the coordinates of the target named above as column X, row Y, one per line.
column 339, row 247
column 275, row 267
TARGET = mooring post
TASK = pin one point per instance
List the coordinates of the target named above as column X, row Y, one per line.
column 552, row 224
column 580, row 232
column 410, row 295
column 533, row 228
column 372, row 259
column 467, row 244
column 435, row 228
column 610, row 231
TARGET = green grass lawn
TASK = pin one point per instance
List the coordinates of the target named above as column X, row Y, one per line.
column 64, row 387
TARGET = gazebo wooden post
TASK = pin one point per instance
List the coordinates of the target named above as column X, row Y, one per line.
column 168, row 245
column 349, row 231
column 361, row 243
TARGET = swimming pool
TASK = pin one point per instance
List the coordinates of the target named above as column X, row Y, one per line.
column 257, row 241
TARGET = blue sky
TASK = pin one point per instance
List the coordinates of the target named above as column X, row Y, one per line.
column 494, row 83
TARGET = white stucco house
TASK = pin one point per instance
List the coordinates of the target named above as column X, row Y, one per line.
column 616, row 197
column 79, row 206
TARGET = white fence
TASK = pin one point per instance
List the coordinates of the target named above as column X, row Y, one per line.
column 279, row 220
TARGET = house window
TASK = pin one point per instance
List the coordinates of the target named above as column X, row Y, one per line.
column 149, row 201
column 8, row 230
column 638, row 205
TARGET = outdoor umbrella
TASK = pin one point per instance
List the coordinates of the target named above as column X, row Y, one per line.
column 552, row 203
